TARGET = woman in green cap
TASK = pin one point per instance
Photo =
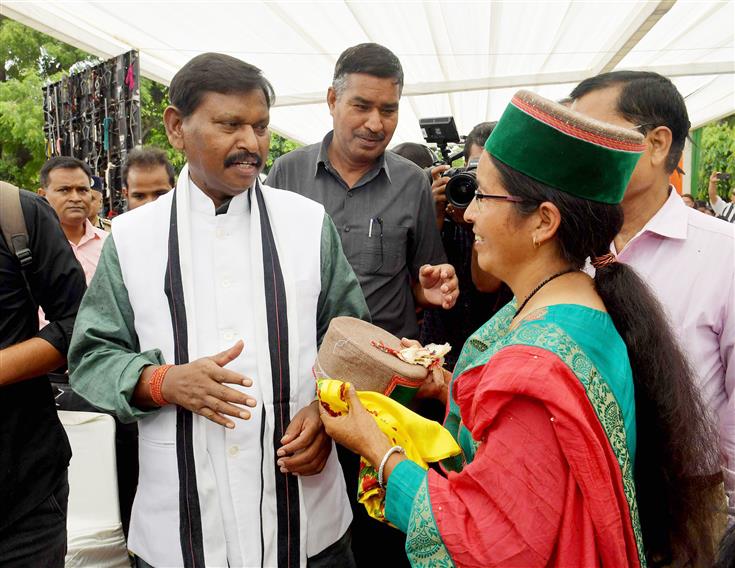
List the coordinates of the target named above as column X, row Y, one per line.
column 582, row 434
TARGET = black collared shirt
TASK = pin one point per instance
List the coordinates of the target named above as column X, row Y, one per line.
column 34, row 451
column 385, row 221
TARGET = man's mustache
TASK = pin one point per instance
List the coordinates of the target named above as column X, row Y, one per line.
column 374, row 136
column 243, row 157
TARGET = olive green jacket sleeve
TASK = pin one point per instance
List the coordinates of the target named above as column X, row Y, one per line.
column 341, row 294
column 105, row 361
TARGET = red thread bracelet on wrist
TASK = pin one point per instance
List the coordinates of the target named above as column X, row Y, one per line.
column 156, row 383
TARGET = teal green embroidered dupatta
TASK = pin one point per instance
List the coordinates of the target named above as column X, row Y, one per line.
column 586, row 341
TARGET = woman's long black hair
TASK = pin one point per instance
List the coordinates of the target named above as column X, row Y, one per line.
column 676, row 438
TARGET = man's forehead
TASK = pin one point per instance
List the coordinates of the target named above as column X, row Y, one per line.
column 370, row 87
column 69, row 176
column 138, row 169
column 234, row 101
column 601, row 104
column 142, row 173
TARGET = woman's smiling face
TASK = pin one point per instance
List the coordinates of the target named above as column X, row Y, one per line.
column 501, row 241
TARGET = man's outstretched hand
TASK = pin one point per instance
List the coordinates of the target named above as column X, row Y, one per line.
column 199, row 386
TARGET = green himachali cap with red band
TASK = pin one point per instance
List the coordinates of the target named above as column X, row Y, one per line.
column 565, row 149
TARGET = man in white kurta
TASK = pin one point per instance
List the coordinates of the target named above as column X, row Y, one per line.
column 180, row 282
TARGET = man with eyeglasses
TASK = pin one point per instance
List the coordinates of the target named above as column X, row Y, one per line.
column 687, row 258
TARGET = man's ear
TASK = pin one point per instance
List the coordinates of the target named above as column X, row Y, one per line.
column 41, row 192
column 331, row 99
column 174, row 122
column 125, row 192
column 659, row 140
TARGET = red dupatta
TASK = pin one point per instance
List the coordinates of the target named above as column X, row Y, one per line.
column 579, row 519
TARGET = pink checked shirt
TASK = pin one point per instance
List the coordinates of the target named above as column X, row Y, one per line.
column 688, row 260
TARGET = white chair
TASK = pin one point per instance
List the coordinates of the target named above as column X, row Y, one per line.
column 95, row 536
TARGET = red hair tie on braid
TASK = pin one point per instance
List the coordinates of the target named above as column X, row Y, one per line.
column 604, row 260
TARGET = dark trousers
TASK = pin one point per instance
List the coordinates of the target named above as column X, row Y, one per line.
column 337, row 555
column 372, row 541
column 39, row 537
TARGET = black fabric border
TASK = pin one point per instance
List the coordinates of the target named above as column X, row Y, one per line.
column 190, row 520
column 287, row 486
column 262, row 486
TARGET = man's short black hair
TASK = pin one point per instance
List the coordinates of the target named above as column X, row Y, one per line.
column 370, row 59
column 477, row 136
column 62, row 162
column 647, row 99
column 419, row 154
column 215, row 73
column 147, row 157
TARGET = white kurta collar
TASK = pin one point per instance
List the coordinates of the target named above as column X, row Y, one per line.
column 202, row 203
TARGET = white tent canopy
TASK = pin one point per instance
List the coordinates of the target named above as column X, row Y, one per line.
column 460, row 58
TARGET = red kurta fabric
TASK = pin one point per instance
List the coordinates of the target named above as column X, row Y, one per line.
column 544, row 488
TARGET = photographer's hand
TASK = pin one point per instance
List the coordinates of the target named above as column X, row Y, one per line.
column 438, row 192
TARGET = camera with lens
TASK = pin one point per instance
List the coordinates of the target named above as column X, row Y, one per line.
column 462, row 184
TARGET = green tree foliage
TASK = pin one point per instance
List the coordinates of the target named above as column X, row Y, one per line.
column 33, row 59
column 717, row 154
column 30, row 60
column 279, row 146
column 153, row 101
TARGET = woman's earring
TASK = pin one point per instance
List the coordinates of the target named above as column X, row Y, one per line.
column 535, row 242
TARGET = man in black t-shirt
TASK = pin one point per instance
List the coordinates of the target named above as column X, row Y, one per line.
column 34, row 450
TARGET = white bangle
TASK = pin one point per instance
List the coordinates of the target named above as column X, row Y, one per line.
column 389, row 453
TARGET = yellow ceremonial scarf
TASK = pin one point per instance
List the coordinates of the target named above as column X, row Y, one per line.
column 424, row 440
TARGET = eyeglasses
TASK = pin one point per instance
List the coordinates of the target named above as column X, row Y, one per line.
column 641, row 126
column 512, row 198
